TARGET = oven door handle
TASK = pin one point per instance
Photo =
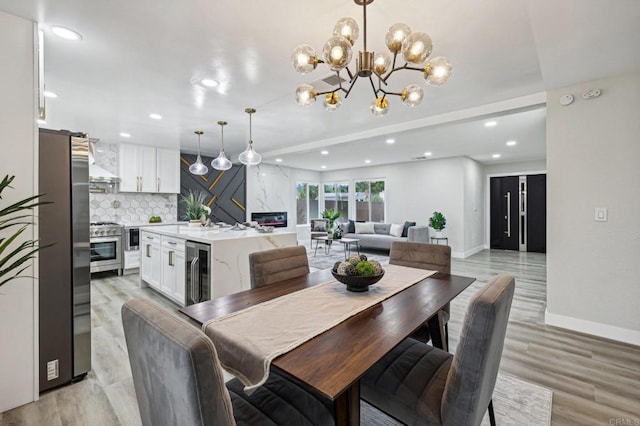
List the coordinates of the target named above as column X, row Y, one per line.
column 104, row 239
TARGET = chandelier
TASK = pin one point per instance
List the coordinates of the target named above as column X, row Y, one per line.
column 198, row 168
column 221, row 162
column 376, row 67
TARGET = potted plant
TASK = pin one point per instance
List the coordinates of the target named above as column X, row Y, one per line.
column 196, row 210
column 331, row 215
column 13, row 261
column 438, row 222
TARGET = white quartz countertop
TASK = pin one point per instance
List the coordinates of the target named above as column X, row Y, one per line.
column 206, row 236
column 143, row 224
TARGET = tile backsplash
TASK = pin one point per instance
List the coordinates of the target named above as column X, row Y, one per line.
column 124, row 207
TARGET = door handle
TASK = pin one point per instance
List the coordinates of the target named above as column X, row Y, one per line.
column 158, row 190
column 192, row 278
column 171, row 253
column 148, row 245
column 198, row 287
column 508, row 231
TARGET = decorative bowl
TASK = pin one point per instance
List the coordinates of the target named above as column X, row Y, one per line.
column 357, row 283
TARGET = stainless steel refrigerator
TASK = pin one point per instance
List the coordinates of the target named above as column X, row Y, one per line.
column 64, row 274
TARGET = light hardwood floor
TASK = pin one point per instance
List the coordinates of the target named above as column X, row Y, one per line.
column 595, row 381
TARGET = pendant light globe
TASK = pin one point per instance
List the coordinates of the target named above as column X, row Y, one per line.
column 250, row 157
column 198, row 168
column 221, row 162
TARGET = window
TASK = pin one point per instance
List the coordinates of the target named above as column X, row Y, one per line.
column 369, row 198
column 306, row 202
column 336, row 196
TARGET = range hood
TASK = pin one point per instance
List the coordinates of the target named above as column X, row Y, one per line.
column 99, row 175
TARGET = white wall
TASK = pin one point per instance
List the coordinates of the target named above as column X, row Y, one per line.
column 18, row 299
column 415, row 190
column 473, row 202
column 593, row 160
column 516, row 168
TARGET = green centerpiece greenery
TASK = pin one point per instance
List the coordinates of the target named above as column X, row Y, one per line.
column 437, row 221
column 195, row 206
column 14, row 258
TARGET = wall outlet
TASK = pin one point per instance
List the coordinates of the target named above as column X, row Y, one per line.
column 53, row 371
column 601, row 214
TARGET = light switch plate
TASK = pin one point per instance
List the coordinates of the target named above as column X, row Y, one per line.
column 601, row 214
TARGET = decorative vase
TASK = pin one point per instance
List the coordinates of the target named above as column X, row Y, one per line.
column 195, row 223
column 439, row 234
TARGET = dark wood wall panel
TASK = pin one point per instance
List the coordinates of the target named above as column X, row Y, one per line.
column 225, row 190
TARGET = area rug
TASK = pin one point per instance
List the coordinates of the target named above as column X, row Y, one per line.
column 515, row 402
column 324, row 260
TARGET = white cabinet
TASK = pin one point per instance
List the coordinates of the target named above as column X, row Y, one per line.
column 150, row 259
column 149, row 169
column 172, row 283
column 162, row 264
column 168, row 170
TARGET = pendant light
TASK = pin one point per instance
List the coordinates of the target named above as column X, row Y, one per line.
column 198, row 168
column 249, row 156
column 221, row 162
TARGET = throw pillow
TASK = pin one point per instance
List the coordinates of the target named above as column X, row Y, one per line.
column 352, row 227
column 319, row 226
column 405, row 231
column 396, row 230
column 382, row 228
column 364, row 228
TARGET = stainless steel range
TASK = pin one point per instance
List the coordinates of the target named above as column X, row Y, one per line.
column 106, row 246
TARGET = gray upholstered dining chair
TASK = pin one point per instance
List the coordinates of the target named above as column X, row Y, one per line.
column 271, row 266
column 424, row 256
column 419, row 384
column 178, row 379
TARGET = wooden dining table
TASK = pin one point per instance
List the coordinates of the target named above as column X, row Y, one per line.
column 332, row 363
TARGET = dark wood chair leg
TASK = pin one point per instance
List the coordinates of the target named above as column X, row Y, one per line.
column 492, row 416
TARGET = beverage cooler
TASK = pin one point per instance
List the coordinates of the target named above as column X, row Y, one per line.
column 197, row 272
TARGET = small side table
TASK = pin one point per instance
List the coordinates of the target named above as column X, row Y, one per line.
column 347, row 243
column 327, row 244
column 438, row 239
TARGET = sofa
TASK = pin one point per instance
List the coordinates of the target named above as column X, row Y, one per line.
column 379, row 235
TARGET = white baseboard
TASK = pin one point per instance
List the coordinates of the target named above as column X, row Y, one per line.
column 462, row 255
column 594, row 328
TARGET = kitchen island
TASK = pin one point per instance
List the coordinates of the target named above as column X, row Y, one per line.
column 164, row 264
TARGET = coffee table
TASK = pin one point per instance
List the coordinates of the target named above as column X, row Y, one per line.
column 327, row 244
column 347, row 243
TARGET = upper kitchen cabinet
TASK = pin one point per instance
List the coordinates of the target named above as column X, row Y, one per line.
column 168, row 170
column 149, row 169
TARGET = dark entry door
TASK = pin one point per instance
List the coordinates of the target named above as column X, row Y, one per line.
column 537, row 213
column 504, row 213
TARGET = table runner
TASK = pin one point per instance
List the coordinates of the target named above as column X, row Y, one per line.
column 248, row 340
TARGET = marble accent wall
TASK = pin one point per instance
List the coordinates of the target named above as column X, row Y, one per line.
column 124, row 207
column 270, row 189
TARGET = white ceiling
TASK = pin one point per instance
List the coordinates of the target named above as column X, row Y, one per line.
column 145, row 56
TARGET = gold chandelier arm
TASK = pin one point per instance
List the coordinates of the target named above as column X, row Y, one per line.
column 404, row 67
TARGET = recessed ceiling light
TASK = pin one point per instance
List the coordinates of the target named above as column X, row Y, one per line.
column 325, row 152
column 390, row 141
column 490, row 123
column 323, row 167
column 278, row 160
column 155, row 116
column 367, row 161
column 41, row 121
column 66, row 33
column 512, row 143
column 209, row 82
column 125, row 135
column 427, row 154
column 496, row 155
column 49, row 94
